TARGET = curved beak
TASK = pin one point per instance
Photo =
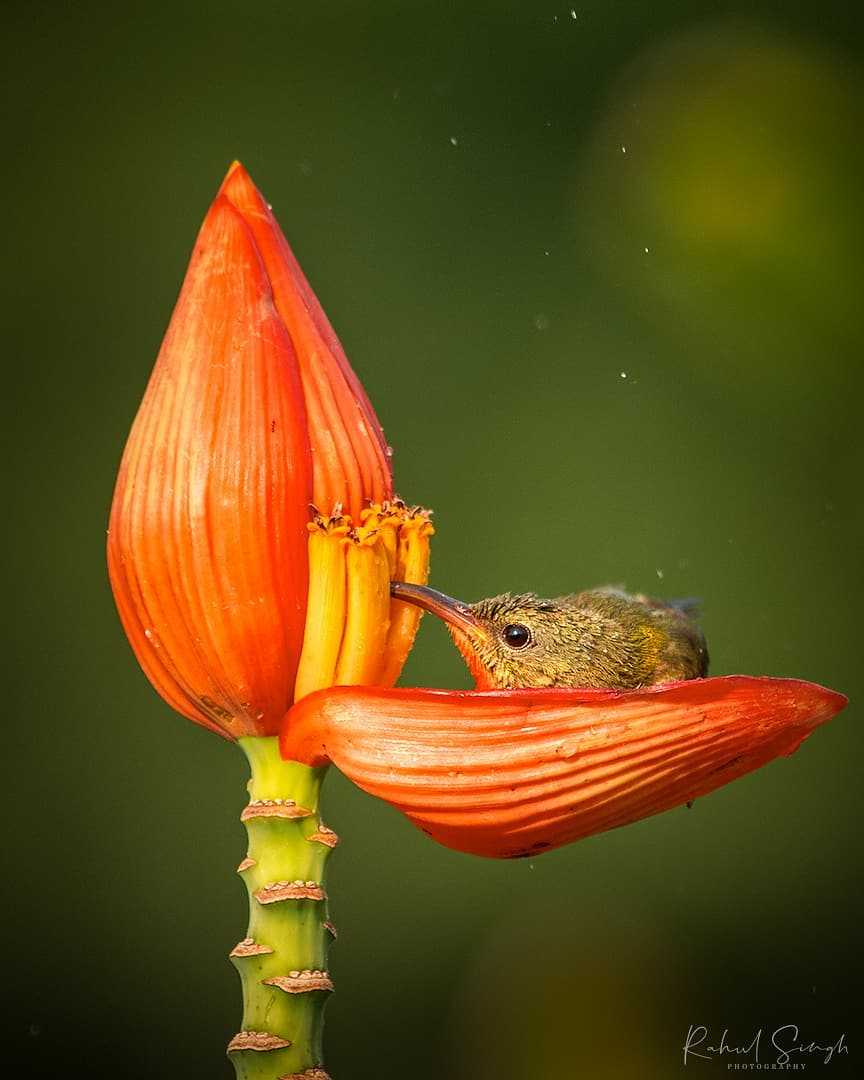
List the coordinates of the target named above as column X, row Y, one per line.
column 457, row 615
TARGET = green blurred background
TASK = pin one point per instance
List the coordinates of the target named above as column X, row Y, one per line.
column 599, row 272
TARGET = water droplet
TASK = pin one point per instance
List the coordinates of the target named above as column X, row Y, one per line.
column 659, row 573
column 623, row 374
column 623, row 149
column 454, row 141
column 388, row 451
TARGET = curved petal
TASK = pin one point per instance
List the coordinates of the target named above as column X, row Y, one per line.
column 513, row 773
column 349, row 454
column 207, row 543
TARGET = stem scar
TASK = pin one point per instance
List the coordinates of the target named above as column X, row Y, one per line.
column 278, row 808
column 256, row 1040
column 289, row 890
column 301, row 982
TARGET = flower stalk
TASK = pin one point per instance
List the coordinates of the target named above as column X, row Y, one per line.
column 282, row 961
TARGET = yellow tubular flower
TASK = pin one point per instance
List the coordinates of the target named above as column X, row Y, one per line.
column 368, row 609
column 412, row 566
column 326, row 605
column 386, row 517
column 355, row 634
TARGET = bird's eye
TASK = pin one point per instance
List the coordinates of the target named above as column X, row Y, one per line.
column 516, row 635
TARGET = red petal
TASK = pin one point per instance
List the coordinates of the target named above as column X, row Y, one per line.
column 207, row 545
column 349, row 453
column 509, row 773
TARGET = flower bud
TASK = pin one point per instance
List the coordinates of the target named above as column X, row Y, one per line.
column 251, row 420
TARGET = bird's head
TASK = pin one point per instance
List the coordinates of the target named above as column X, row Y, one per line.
column 507, row 641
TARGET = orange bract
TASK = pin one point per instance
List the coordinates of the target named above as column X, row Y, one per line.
column 207, row 538
column 349, row 454
column 514, row 773
column 251, row 414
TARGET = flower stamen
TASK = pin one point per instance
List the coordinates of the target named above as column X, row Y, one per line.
column 386, row 517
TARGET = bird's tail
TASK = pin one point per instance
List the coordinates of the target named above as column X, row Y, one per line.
column 687, row 605
column 691, row 606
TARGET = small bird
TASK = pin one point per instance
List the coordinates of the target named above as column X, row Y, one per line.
column 600, row 638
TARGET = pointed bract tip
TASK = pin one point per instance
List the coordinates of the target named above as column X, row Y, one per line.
column 226, row 246
column 239, row 187
column 235, row 166
column 832, row 702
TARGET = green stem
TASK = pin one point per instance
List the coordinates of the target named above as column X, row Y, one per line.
column 283, row 959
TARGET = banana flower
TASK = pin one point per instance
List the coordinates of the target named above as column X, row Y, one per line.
column 253, row 539
column 255, row 457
